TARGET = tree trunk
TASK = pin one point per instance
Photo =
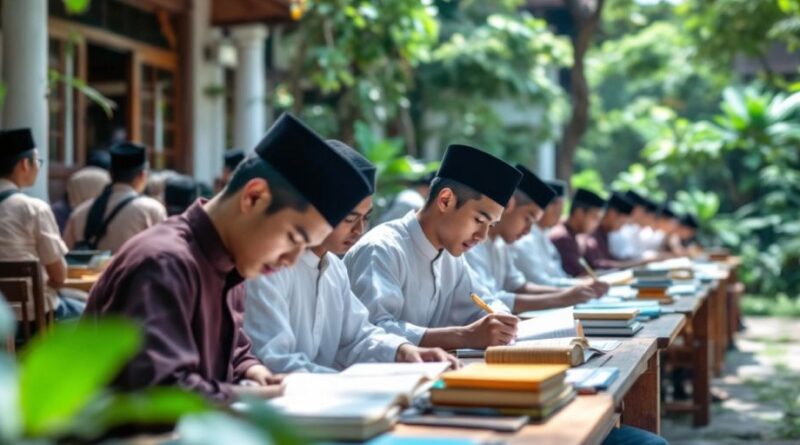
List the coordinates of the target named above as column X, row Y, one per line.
column 586, row 22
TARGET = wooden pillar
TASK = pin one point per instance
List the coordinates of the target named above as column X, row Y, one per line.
column 701, row 372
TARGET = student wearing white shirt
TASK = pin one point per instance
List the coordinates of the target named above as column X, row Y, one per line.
column 306, row 318
column 493, row 260
column 534, row 255
column 410, row 273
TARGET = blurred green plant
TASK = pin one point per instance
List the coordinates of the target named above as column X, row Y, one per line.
column 395, row 169
column 59, row 392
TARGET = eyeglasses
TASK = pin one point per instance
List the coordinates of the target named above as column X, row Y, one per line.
column 39, row 162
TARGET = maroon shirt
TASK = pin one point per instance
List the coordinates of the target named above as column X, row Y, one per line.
column 566, row 241
column 598, row 254
column 180, row 283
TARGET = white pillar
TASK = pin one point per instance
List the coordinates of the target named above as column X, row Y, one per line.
column 250, row 89
column 24, row 24
column 546, row 161
column 208, row 110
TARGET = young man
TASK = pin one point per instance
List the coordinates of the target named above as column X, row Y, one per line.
column 534, row 255
column 83, row 185
column 584, row 216
column 624, row 243
column 306, row 318
column 597, row 251
column 493, row 263
column 120, row 212
column 28, row 229
column 181, row 279
column 410, row 273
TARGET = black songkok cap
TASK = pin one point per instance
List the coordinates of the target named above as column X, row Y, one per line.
column 15, row 142
column 329, row 181
column 480, row 171
column 588, row 199
column 126, row 157
column 366, row 168
column 100, row 159
column 665, row 211
column 558, row 186
column 179, row 193
column 636, row 199
column 690, row 220
column 233, row 158
column 651, row 206
column 620, row 203
column 535, row 188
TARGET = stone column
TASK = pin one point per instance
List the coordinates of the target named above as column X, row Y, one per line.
column 250, row 88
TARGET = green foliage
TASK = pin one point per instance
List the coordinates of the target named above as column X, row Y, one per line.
column 490, row 81
column 90, row 356
column 588, row 179
column 254, row 424
column 394, row 168
column 75, row 7
column 107, row 105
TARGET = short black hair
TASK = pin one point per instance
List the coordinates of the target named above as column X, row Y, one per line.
column 126, row 176
column 463, row 192
column 284, row 194
column 7, row 165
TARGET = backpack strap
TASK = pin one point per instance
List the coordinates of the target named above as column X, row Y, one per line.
column 96, row 227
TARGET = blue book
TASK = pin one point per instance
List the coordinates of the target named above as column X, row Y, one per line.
column 592, row 378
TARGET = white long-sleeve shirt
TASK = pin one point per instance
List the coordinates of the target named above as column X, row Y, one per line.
column 625, row 243
column 408, row 285
column 538, row 260
column 493, row 264
column 306, row 318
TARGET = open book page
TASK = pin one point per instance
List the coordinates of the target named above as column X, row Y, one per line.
column 430, row 370
column 315, row 386
column 552, row 324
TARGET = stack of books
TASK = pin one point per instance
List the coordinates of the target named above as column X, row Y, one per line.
column 536, row 391
column 609, row 322
column 652, row 284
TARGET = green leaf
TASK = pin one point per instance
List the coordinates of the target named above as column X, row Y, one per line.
column 152, row 406
column 63, row 370
column 75, row 7
column 10, row 421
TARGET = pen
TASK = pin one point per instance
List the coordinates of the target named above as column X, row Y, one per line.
column 481, row 304
column 588, row 268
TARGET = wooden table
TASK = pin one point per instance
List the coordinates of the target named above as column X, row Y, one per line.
column 585, row 421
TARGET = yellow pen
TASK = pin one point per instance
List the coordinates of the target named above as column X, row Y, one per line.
column 588, row 268
column 481, row 304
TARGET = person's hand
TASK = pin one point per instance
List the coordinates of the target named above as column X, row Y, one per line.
column 599, row 288
column 261, row 375
column 415, row 354
column 492, row 330
column 256, row 391
column 578, row 294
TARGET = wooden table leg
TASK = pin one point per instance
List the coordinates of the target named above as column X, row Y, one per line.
column 642, row 404
column 701, row 371
column 720, row 324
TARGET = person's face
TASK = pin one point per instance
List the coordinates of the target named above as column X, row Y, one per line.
column 552, row 214
column 350, row 230
column 462, row 228
column 29, row 169
column 517, row 221
column 616, row 220
column 261, row 243
column 587, row 220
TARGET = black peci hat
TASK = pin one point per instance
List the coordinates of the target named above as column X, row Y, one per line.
column 588, row 198
column 233, row 158
column 328, row 180
column 620, row 203
column 367, row 168
column 127, row 157
column 535, row 188
column 558, row 186
column 15, row 142
column 480, row 171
